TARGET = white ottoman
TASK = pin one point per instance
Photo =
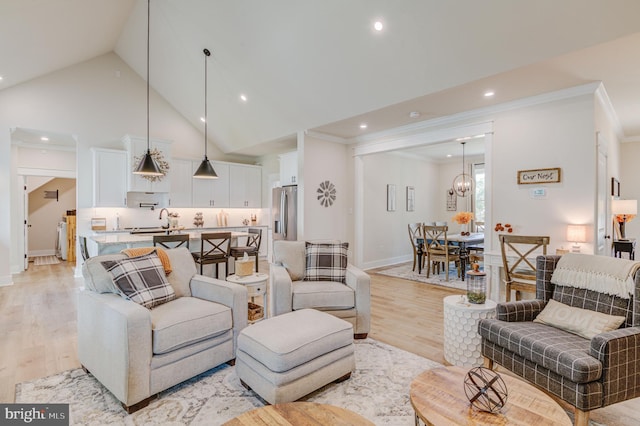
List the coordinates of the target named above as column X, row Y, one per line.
column 286, row 357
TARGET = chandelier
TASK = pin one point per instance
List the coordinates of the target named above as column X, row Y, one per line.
column 463, row 183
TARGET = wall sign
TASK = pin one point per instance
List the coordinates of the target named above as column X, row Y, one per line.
column 452, row 200
column 539, row 176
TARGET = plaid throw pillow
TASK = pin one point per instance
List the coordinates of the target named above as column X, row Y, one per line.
column 141, row 279
column 326, row 262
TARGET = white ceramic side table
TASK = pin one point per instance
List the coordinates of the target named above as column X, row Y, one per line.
column 256, row 286
column 461, row 338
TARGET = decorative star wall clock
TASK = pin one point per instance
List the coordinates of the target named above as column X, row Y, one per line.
column 326, row 193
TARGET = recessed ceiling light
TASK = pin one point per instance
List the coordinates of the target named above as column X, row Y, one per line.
column 449, row 155
column 202, row 119
column 44, row 138
column 1, row 77
column 363, row 125
column 243, row 98
column 414, row 114
column 378, row 26
column 489, row 94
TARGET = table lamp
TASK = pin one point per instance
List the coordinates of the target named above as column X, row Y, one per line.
column 624, row 208
column 576, row 234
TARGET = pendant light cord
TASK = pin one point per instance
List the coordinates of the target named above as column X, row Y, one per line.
column 148, row 37
column 206, row 53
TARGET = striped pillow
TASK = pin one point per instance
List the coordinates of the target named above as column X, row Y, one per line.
column 326, row 262
column 141, row 279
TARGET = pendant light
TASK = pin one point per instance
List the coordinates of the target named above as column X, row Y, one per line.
column 205, row 171
column 463, row 183
column 148, row 165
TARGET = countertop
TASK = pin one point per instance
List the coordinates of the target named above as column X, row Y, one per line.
column 126, row 238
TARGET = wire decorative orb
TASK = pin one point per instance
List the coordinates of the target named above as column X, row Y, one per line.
column 463, row 185
column 485, row 389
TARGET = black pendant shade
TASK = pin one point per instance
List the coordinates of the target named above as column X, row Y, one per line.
column 148, row 165
column 205, row 171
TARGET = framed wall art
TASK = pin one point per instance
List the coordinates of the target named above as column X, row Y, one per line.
column 536, row 176
column 391, row 197
column 411, row 198
column 615, row 187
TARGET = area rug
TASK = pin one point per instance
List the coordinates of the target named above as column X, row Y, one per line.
column 377, row 390
column 45, row 260
column 404, row 271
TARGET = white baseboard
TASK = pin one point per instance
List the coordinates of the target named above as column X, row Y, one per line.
column 386, row 262
column 46, row 252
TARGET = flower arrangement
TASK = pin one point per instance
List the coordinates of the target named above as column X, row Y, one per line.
column 462, row 217
column 620, row 218
column 506, row 227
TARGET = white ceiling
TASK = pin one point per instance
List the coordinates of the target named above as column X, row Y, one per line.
column 319, row 65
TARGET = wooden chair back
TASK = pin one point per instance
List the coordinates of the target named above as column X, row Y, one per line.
column 438, row 249
column 518, row 266
column 171, row 241
column 415, row 232
column 215, row 245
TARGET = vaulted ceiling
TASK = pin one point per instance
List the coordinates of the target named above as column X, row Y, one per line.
column 321, row 66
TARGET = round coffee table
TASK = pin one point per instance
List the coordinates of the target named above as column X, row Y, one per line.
column 438, row 398
column 299, row 413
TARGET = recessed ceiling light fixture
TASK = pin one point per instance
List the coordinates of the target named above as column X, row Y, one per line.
column 44, row 138
column 243, row 97
column 378, row 26
column 414, row 114
column 489, row 93
column 1, row 78
column 363, row 125
column 202, row 119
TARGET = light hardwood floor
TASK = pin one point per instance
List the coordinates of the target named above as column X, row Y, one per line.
column 38, row 326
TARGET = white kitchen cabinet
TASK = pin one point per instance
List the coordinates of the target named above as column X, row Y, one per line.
column 136, row 148
column 109, row 177
column 289, row 168
column 181, row 177
column 211, row 192
column 245, row 189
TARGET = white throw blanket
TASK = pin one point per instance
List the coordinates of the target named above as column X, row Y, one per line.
column 603, row 274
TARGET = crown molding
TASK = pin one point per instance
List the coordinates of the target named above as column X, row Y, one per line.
column 327, row 137
column 603, row 98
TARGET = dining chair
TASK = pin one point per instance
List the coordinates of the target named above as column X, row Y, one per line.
column 415, row 232
column 518, row 265
column 251, row 248
column 214, row 249
column 438, row 249
column 171, row 241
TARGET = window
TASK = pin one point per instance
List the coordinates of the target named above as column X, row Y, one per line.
column 478, row 196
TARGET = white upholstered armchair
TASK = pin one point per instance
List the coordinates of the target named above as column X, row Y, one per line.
column 136, row 352
column 293, row 288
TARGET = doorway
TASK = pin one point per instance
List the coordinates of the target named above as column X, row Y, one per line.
column 46, row 167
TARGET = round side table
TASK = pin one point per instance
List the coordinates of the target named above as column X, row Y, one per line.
column 461, row 338
column 256, row 286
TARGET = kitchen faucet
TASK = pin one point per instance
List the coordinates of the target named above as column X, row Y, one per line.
column 168, row 218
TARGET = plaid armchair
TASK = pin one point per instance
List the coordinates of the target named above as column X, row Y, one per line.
column 588, row 374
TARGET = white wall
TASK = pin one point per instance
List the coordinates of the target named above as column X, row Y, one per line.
column 385, row 232
column 325, row 161
column 629, row 183
column 90, row 101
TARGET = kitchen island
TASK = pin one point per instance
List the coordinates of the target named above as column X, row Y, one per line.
column 110, row 242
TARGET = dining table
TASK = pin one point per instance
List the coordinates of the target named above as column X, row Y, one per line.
column 462, row 241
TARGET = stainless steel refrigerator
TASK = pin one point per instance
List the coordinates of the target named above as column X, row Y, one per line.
column 284, row 212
